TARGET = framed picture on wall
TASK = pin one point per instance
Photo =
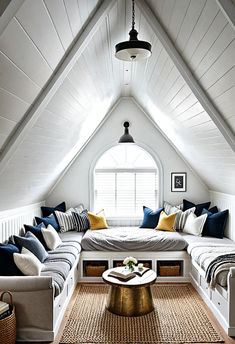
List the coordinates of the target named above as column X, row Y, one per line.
column 178, row 182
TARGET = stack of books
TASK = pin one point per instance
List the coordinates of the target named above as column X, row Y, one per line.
column 5, row 310
column 125, row 275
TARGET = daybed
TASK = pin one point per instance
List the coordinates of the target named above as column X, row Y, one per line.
column 41, row 300
column 132, row 239
column 217, row 289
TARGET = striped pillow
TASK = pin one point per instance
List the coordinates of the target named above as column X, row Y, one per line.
column 182, row 217
column 65, row 220
column 81, row 221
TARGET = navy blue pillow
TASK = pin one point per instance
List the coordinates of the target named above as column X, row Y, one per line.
column 199, row 207
column 47, row 211
column 49, row 220
column 7, row 264
column 215, row 224
column 37, row 231
column 30, row 242
column 151, row 217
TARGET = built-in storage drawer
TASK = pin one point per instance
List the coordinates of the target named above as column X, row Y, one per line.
column 195, row 275
column 70, row 284
column 60, row 300
column 220, row 303
column 205, row 287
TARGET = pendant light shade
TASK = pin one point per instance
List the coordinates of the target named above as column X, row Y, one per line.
column 126, row 137
column 133, row 50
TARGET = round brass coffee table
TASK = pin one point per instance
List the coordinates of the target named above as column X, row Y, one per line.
column 130, row 298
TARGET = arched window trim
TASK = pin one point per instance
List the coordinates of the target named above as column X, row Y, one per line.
column 149, row 150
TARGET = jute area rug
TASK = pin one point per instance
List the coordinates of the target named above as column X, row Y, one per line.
column 179, row 317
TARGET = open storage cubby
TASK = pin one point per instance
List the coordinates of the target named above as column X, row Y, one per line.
column 169, row 268
column 94, row 268
column 93, row 263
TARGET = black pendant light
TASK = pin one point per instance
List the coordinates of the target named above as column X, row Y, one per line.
column 133, row 50
column 126, row 137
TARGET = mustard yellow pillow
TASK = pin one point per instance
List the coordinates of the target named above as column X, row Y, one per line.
column 97, row 221
column 166, row 222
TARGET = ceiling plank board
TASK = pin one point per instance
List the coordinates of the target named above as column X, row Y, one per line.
column 187, row 74
column 9, row 13
column 54, row 83
column 228, row 9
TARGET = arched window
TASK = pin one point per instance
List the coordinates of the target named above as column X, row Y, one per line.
column 125, row 179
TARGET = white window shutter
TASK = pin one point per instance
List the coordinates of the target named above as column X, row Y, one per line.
column 123, row 193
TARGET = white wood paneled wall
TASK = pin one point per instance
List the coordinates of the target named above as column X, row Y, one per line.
column 206, row 41
column 12, row 221
column 42, row 31
column 225, row 201
column 31, row 46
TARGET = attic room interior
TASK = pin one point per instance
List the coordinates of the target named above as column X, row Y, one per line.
column 117, row 171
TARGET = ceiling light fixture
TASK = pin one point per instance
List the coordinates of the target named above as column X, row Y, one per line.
column 126, row 137
column 133, row 50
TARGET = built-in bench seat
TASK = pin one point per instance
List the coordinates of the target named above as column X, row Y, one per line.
column 221, row 297
column 41, row 300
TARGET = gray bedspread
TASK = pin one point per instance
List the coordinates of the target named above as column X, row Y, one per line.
column 59, row 263
column 132, row 239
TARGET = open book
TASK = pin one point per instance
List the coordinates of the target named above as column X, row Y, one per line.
column 142, row 271
column 126, row 275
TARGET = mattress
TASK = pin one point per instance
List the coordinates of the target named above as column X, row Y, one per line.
column 132, row 239
column 203, row 252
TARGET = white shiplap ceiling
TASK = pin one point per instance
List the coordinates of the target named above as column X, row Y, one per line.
column 59, row 78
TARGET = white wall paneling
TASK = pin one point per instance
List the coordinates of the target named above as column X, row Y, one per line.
column 209, row 52
column 67, row 99
column 12, row 221
column 187, row 75
column 9, row 13
column 225, row 201
column 228, row 8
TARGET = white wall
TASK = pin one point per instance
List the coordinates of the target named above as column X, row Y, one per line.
column 74, row 185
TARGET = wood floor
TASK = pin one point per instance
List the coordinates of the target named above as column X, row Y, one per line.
column 228, row 340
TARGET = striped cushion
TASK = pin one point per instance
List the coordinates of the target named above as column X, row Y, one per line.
column 182, row 217
column 65, row 220
column 82, row 221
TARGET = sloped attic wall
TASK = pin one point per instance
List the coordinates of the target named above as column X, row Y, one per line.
column 74, row 186
column 32, row 43
column 205, row 40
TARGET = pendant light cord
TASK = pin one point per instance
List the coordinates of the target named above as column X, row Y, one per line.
column 133, row 14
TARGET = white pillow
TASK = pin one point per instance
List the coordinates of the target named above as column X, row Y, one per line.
column 194, row 225
column 28, row 263
column 51, row 237
column 181, row 218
